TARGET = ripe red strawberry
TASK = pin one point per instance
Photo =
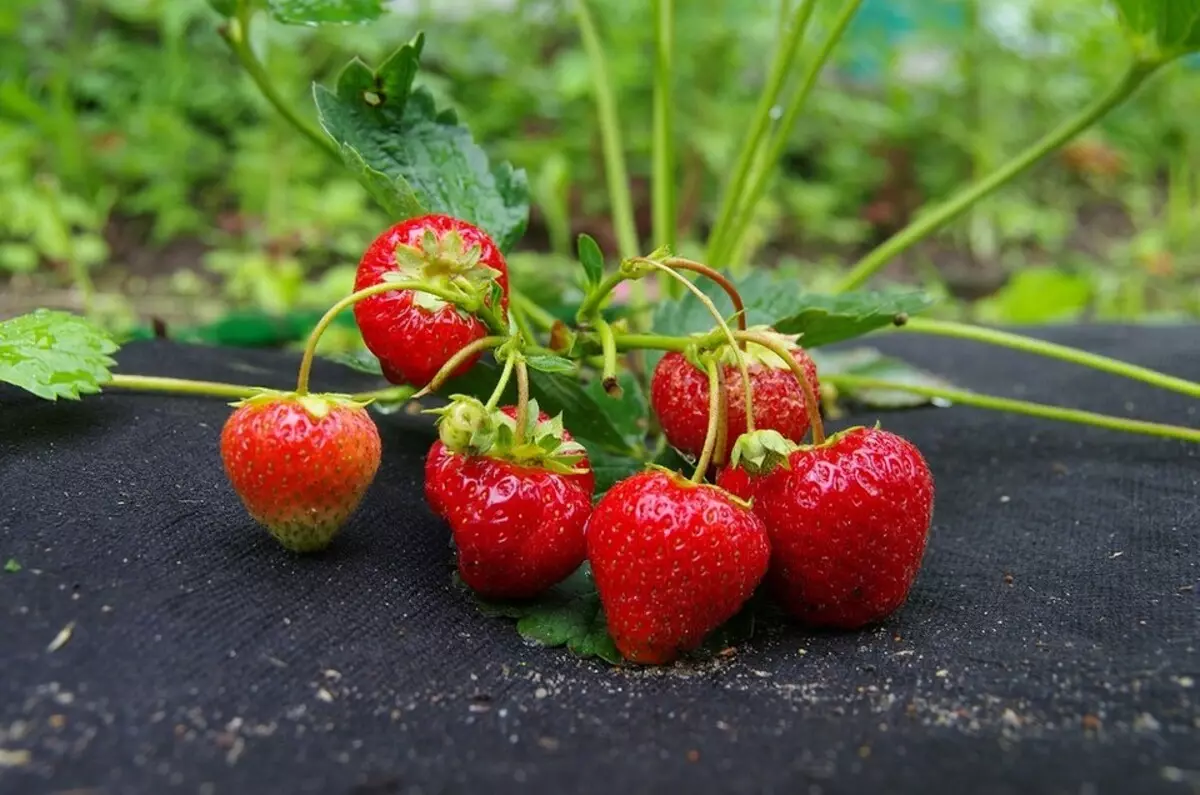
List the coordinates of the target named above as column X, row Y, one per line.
column 672, row 561
column 679, row 396
column 517, row 512
column 301, row 465
column 413, row 333
column 848, row 521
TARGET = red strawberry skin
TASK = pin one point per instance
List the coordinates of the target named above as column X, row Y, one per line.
column 672, row 561
column 519, row 530
column 411, row 342
column 679, row 396
column 848, row 523
column 299, row 475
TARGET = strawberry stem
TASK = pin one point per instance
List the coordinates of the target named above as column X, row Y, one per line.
column 722, row 423
column 589, row 310
column 1065, row 353
column 505, row 374
column 310, row 349
column 679, row 263
column 180, row 386
column 747, row 389
column 453, row 363
column 852, row 382
column 812, row 403
column 522, row 399
column 608, row 346
column 714, row 420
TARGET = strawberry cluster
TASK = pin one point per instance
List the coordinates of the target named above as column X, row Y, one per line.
column 834, row 530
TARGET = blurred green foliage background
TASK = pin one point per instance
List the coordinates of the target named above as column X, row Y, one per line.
column 134, row 154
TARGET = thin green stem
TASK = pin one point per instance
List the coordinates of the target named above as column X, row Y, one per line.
column 180, row 386
column 237, row 35
column 663, row 147
column 931, row 220
column 392, row 394
column 812, row 402
column 608, row 346
column 778, row 145
column 965, row 398
column 540, row 317
column 739, row 308
column 456, row 361
column 522, row 398
column 590, row 307
column 781, row 65
column 505, row 374
column 1053, row 350
column 310, row 349
column 747, row 387
column 610, row 133
column 652, row 342
column 714, row 419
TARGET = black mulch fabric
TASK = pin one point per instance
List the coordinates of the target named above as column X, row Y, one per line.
column 1049, row 645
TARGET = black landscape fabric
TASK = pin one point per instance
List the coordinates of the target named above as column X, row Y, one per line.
column 1049, row 644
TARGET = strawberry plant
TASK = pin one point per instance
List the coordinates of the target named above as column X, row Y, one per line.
column 621, row 484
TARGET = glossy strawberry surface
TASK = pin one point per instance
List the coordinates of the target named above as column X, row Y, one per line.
column 848, row 523
column 679, row 396
column 672, row 561
column 300, row 474
column 519, row 530
column 412, row 342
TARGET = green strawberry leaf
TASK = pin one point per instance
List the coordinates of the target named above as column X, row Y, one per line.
column 871, row 363
column 55, row 354
column 1161, row 30
column 361, row 360
column 551, row 364
column 611, row 468
column 325, row 12
column 824, row 319
column 591, row 258
column 225, row 8
column 415, row 158
column 567, row 615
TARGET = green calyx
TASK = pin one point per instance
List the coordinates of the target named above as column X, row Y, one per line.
column 760, row 354
column 317, row 406
column 467, row 427
column 681, row 480
column 445, row 261
column 761, row 452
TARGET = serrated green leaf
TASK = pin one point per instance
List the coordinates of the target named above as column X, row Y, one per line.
column 325, row 12
column 55, row 354
column 414, row 158
column 824, row 319
column 591, row 258
column 551, row 364
column 361, row 360
column 567, row 615
column 628, row 413
column 871, row 363
column 1161, row 29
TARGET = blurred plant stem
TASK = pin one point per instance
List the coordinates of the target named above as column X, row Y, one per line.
column 931, row 220
column 663, row 146
column 781, row 66
column 236, row 33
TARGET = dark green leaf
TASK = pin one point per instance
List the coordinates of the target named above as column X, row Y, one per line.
column 567, row 615
column 1161, row 28
column 225, row 8
column 325, row 12
column 610, row 468
column 823, row 319
column 551, row 364
column 870, row 363
column 55, row 354
column 415, row 158
column 591, row 258
column 555, row 394
column 361, row 360
column 628, row 413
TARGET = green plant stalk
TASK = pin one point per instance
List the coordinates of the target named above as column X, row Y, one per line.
column 812, row 402
column 310, row 349
column 237, row 34
column 539, row 316
column 590, row 307
column 663, row 186
column 505, row 374
column 748, row 203
column 653, row 342
column 608, row 346
column 714, row 420
column 781, row 65
column 1019, row 407
column 522, row 399
column 934, row 219
column 391, row 394
column 1052, row 350
column 453, row 363
column 180, row 386
column 616, row 172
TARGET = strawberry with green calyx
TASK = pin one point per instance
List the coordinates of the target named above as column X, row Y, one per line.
column 679, row 392
column 848, row 519
column 516, row 499
column 300, row 463
column 414, row 333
